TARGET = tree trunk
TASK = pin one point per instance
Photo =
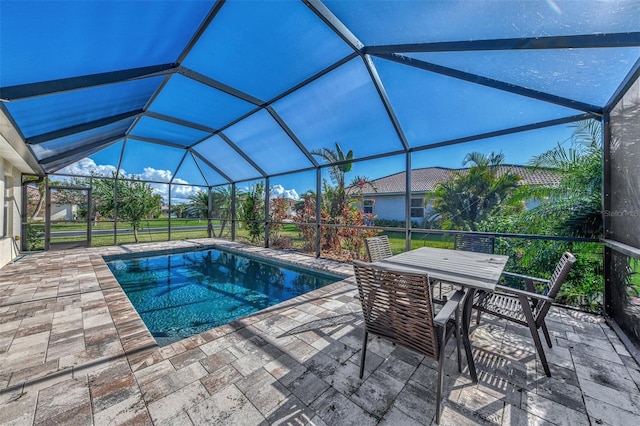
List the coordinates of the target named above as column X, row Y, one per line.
column 38, row 207
column 223, row 224
column 135, row 233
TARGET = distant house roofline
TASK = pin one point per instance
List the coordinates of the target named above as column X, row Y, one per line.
column 425, row 179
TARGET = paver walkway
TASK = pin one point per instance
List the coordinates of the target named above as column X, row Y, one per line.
column 74, row 351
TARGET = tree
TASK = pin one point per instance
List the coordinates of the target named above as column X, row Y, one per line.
column 306, row 213
column 199, row 204
column 339, row 204
column 221, row 205
column 472, row 195
column 335, row 197
column 135, row 200
column 36, row 203
column 180, row 210
column 278, row 213
column 252, row 211
column 573, row 207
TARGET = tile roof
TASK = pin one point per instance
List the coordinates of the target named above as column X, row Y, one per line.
column 425, row 179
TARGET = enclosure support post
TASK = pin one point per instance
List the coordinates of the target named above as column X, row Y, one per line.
column 169, row 218
column 606, row 207
column 407, row 204
column 115, row 211
column 209, row 210
column 47, row 217
column 89, row 210
column 267, row 222
column 233, row 211
column 318, row 209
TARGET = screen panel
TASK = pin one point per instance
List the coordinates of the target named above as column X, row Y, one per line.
column 395, row 22
column 342, row 106
column 265, row 48
column 434, row 108
column 624, row 186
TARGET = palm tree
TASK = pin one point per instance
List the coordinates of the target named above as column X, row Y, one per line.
column 337, row 201
column 180, row 210
column 335, row 197
column 341, row 164
column 199, row 204
column 575, row 205
column 472, row 195
column 220, row 205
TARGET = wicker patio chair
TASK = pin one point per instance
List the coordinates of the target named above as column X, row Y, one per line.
column 527, row 308
column 397, row 305
column 468, row 242
column 378, row 248
column 476, row 243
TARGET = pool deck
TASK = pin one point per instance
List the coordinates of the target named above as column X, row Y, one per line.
column 74, row 351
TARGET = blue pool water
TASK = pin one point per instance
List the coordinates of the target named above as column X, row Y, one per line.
column 182, row 294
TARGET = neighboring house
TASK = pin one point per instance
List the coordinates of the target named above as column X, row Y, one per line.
column 388, row 201
column 59, row 210
column 290, row 204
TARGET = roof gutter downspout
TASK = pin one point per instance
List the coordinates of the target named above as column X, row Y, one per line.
column 23, row 215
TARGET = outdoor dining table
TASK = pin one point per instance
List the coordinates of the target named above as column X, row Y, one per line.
column 473, row 271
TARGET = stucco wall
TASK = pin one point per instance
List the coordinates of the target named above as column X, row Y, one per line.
column 10, row 211
column 390, row 207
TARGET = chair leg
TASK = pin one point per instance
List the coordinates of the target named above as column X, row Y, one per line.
column 441, row 358
column 364, row 352
column 540, row 349
column 524, row 302
column 481, row 296
column 466, row 319
column 546, row 334
column 458, row 338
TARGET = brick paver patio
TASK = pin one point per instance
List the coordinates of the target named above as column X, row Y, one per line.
column 74, row 351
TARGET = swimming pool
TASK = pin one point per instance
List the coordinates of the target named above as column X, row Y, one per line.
column 181, row 294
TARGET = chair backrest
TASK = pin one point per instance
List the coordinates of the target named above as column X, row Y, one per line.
column 555, row 282
column 397, row 305
column 378, row 248
column 476, row 243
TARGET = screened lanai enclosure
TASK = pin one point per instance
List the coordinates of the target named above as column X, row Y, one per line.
column 311, row 125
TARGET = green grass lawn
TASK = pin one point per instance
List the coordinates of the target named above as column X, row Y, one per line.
column 150, row 223
column 289, row 231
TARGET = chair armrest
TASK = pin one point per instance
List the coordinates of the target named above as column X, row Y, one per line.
column 450, row 307
column 525, row 277
column 541, row 297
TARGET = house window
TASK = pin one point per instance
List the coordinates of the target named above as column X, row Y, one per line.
column 417, row 207
column 368, row 207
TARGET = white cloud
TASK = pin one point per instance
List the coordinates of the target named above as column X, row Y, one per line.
column 87, row 167
column 180, row 192
column 150, row 173
column 278, row 191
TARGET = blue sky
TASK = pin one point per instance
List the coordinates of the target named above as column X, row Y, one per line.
column 518, row 149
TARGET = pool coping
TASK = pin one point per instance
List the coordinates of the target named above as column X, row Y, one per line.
column 135, row 340
column 139, row 345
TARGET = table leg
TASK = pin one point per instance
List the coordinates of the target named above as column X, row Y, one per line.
column 466, row 320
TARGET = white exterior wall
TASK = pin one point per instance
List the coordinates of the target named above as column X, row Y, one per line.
column 390, row 207
column 10, row 190
column 63, row 211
